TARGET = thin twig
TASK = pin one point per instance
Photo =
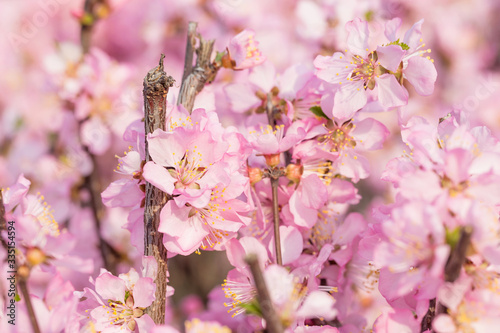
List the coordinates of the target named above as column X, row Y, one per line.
column 156, row 85
column 274, row 174
column 276, row 221
column 29, row 306
column 190, row 44
column 88, row 22
column 91, row 182
column 273, row 322
column 457, row 257
column 429, row 316
column 451, row 273
column 194, row 79
column 3, row 221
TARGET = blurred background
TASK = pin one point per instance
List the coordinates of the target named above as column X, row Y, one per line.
column 65, row 101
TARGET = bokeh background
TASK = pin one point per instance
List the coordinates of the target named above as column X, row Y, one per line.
column 63, row 109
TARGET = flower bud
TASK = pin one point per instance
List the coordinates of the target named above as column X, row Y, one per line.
column 137, row 313
column 272, row 160
column 23, row 272
column 130, row 301
column 35, row 256
column 131, row 325
column 294, row 172
column 255, row 175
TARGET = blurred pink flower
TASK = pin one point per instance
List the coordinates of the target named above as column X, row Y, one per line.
column 244, row 50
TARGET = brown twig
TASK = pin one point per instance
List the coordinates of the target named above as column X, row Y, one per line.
column 277, row 240
column 429, row 316
column 3, row 221
column 274, row 174
column 273, row 322
column 23, row 286
column 190, row 47
column 156, row 85
column 88, row 21
column 457, row 257
column 194, row 79
column 91, row 182
column 451, row 273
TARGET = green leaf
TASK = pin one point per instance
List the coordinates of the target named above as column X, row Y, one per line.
column 218, row 57
column 318, row 112
column 369, row 15
column 17, row 298
column 452, row 237
column 252, row 308
column 404, row 46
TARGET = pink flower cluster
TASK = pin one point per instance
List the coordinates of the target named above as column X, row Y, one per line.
column 324, row 143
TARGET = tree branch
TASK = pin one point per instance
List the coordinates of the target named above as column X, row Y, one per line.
column 276, row 220
column 23, row 286
column 194, row 79
column 3, row 221
column 451, row 273
column 156, row 85
column 273, row 322
column 87, row 22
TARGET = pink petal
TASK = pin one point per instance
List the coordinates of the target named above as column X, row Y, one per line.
column 149, row 267
column 390, row 56
column 174, row 220
column 357, row 37
column 318, row 304
column 354, row 168
column 144, row 292
column 191, row 240
column 166, row 149
column 369, row 134
column 263, row 76
column 390, row 92
column 397, row 320
column 291, row 244
column 422, row 74
column 145, row 324
column 110, row 287
column 457, row 163
column 334, row 69
column 159, row 177
column 95, row 135
column 443, row 323
column 303, row 216
column 241, row 97
column 391, row 28
column 350, row 98
column 122, row 193
column 413, row 35
column 12, row 197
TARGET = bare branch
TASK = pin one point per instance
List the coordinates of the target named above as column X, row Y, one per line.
column 156, row 85
column 23, row 286
column 273, row 322
column 276, row 220
column 194, row 79
column 3, row 221
column 451, row 273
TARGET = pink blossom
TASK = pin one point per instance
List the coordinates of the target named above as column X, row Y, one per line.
column 244, row 50
column 118, row 303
